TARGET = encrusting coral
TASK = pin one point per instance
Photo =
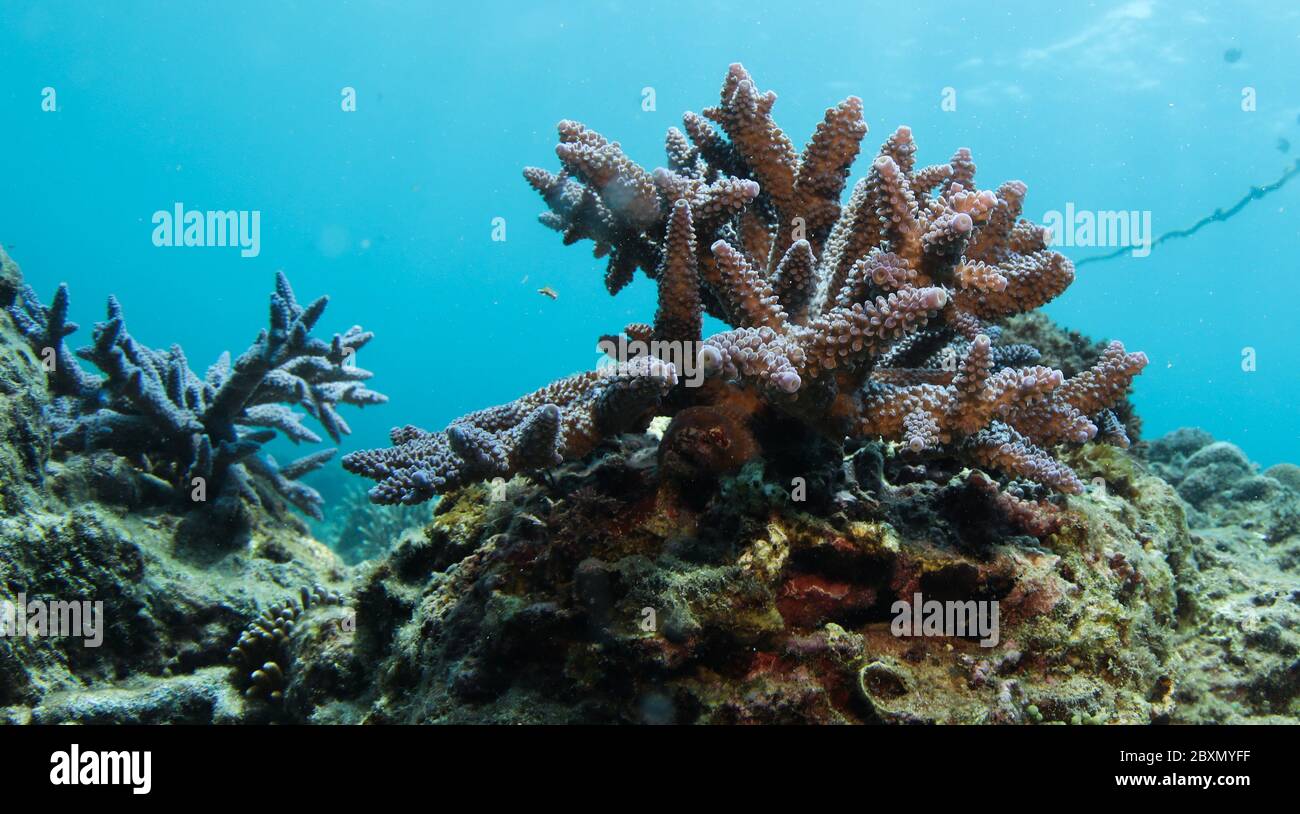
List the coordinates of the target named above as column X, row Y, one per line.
column 201, row 434
column 876, row 319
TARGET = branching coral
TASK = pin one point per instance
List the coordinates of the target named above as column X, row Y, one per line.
column 564, row 420
column 872, row 319
column 201, row 434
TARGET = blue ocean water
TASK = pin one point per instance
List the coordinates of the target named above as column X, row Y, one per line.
column 1176, row 109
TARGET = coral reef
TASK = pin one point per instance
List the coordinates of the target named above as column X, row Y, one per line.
column 610, row 596
column 201, row 435
column 610, row 593
column 91, row 526
column 1239, row 642
column 667, row 575
column 885, row 419
column 876, row 319
column 358, row 530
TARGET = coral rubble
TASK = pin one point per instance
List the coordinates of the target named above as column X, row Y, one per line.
column 875, row 319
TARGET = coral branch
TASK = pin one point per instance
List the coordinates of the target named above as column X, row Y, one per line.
column 564, row 420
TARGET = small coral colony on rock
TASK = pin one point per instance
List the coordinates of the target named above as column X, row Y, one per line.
column 748, row 526
column 876, row 319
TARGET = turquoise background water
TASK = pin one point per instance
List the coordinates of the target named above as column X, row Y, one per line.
column 389, row 209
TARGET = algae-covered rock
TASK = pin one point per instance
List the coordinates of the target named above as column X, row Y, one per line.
column 203, row 697
column 24, row 435
column 1174, row 448
column 632, row 604
column 1239, row 653
column 10, row 279
column 1221, row 485
column 1238, row 644
column 625, row 601
column 1286, row 474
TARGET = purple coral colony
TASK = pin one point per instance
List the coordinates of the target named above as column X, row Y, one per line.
column 875, row 319
column 706, row 528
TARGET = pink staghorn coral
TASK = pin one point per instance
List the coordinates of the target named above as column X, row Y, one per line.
column 872, row 319
column 563, row 420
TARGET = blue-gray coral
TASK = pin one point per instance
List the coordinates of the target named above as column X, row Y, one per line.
column 201, row 434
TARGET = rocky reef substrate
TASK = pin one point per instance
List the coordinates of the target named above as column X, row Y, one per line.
column 660, row 580
column 614, row 593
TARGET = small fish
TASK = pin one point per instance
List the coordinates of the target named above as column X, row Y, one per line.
column 1232, row 55
column 547, row 291
column 1283, row 145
